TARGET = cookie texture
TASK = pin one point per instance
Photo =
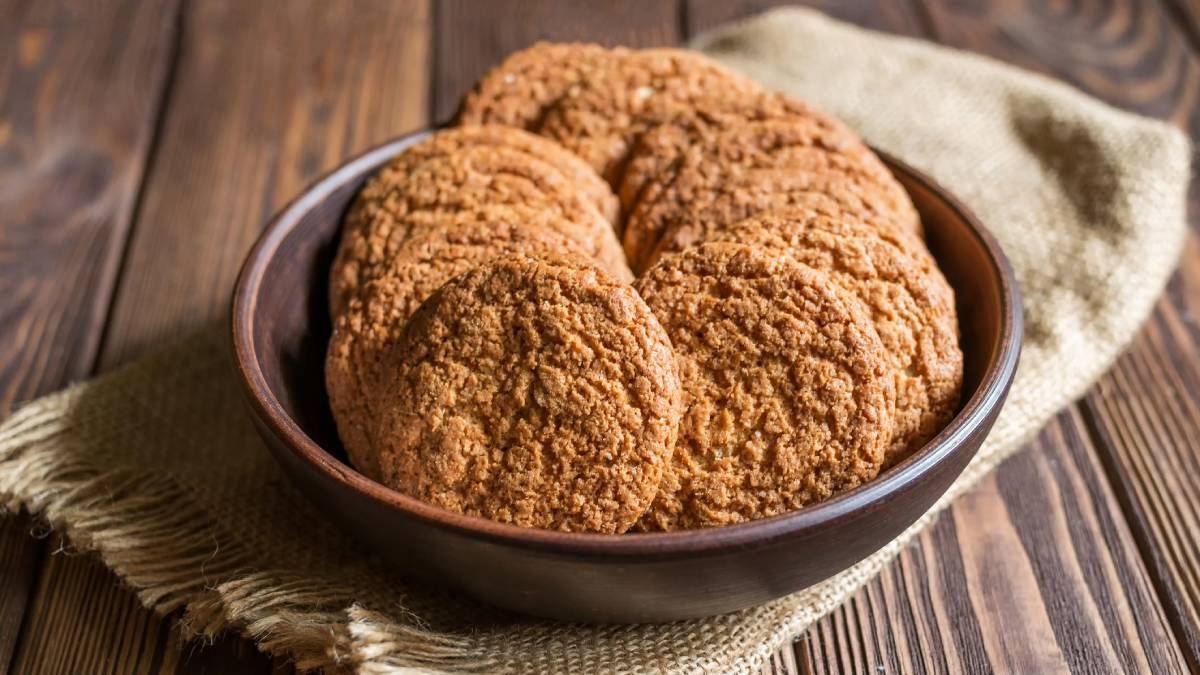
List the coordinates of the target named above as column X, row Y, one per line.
column 656, row 151
column 575, row 170
column 399, row 200
column 532, row 391
column 907, row 297
column 788, row 398
column 600, row 117
column 721, row 179
column 517, row 92
column 356, row 367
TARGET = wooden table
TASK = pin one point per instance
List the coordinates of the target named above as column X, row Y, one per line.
column 143, row 145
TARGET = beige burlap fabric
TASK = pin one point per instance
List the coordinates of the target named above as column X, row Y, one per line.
column 157, row 469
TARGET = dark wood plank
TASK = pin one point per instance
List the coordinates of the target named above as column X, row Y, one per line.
column 291, row 106
column 1033, row 571
column 106, row 628
column 266, row 97
column 893, row 16
column 1146, row 411
column 77, row 118
column 20, row 557
column 1186, row 14
column 472, row 37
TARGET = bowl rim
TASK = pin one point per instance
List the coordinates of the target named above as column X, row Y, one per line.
column 871, row 496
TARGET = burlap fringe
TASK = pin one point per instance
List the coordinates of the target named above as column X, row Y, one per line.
column 179, row 561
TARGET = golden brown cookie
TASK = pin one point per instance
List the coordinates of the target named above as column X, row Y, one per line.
column 751, row 193
column 532, row 391
column 448, row 141
column 655, row 152
column 375, row 317
column 821, row 189
column 787, row 393
column 396, row 201
column 601, row 116
column 517, row 92
column 906, row 295
column 758, row 162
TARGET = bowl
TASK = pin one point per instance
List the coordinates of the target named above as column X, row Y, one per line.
column 280, row 329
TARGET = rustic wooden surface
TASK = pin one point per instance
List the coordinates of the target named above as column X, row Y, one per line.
column 142, row 146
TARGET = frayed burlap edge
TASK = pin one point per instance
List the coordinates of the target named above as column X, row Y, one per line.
column 148, row 530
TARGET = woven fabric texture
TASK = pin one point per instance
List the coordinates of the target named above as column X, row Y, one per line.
column 156, row 467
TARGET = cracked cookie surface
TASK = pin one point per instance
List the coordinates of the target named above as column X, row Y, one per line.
column 450, row 140
column 532, row 391
column 601, row 116
column 908, row 299
column 399, row 201
column 787, row 395
column 518, row 92
column 356, row 365
column 727, row 176
column 656, row 151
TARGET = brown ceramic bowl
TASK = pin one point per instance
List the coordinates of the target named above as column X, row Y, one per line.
column 280, row 329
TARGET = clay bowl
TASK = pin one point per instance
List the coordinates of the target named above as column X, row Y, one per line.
column 280, row 329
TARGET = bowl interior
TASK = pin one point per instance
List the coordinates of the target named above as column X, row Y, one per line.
column 287, row 283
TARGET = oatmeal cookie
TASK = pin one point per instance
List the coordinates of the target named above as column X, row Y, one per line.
column 906, row 295
column 395, row 203
column 448, row 141
column 787, row 393
column 712, row 175
column 532, row 391
column 517, row 92
column 364, row 333
column 655, row 152
column 601, row 116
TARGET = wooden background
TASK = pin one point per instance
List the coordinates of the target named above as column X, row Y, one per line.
column 143, row 145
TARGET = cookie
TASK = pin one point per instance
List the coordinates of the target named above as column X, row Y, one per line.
column 532, row 391
column 600, row 117
column 656, row 151
column 791, row 152
column 787, row 393
column 574, row 169
column 374, row 319
column 906, row 295
column 517, row 92
column 397, row 201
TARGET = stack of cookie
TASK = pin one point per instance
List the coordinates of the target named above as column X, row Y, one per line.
column 633, row 291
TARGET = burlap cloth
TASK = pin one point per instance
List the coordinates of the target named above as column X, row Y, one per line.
column 157, row 470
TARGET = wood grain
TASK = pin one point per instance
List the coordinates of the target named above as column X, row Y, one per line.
column 77, row 113
column 1146, row 411
column 316, row 82
column 20, row 558
column 1186, row 15
column 1033, row 571
column 893, row 16
column 266, row 96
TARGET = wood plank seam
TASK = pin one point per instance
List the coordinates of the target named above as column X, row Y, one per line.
column 152, row 154
column 1130, row 511
column 104, row 294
